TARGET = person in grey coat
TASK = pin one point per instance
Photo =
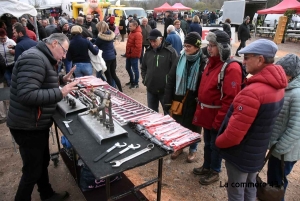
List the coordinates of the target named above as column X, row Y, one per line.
column 286, row 132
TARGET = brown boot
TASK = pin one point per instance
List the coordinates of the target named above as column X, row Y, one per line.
column 201, row 171
column 210, row 178
column 176, row 154
column 191, row 157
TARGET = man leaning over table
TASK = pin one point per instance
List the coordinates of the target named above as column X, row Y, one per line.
column 34, row 94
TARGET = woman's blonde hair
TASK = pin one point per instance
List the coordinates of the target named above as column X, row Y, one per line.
column 196, row 19
column 102, row 27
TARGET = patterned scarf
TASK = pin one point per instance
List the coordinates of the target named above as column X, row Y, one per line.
column 184, row 80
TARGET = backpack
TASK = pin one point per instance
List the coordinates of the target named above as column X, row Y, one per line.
column 222, row 74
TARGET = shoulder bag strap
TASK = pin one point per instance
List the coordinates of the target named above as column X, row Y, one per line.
column 268, row 156
column 183, row 100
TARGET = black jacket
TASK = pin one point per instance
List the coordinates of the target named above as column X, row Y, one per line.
column 168, row 21
column 190, row 104
column 156, row 66
column 34, row 90
column 227, row 29
column 243, row 32
column 94, row 28
column 122, row 23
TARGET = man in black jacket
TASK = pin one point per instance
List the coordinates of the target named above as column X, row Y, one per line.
column 243, row 34
column 156, row 65
column 168, row 21
column 34, row 94
column 91, row 26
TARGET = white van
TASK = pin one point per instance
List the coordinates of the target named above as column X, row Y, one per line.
column 119, row 11
column 271, row 20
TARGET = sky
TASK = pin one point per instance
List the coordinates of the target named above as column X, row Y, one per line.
column 48, row 1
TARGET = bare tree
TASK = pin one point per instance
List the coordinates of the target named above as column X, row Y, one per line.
column 37, row 3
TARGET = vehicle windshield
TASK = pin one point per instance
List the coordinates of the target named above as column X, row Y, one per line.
column 139, row 13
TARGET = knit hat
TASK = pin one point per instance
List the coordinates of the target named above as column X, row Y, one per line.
column 290, row 64
column 76, row 29
column 193, row 38
column 62, row 21
column 222, row 40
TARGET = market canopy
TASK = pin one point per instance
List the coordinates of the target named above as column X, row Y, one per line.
column 164, row 7
column 282, row 7
column 179, row 6
column 16, row 8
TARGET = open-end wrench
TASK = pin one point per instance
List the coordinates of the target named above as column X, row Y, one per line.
column 67, row 125
column 124, row 113
column 123, row 151
column 131, row 115
column 117, row 145
column 136, row 117
column 117, row 163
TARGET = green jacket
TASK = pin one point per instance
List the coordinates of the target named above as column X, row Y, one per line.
column 184, row 26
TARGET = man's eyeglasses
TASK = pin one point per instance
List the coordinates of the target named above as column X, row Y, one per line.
column 65, row 51
column 211, row 45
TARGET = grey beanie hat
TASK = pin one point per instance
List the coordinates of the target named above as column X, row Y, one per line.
column 222, row 40
column 62, row 21
column 291, row 65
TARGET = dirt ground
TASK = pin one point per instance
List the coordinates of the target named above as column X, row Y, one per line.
column 179, row 183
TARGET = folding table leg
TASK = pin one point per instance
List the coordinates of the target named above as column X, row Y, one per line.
column 159, row 182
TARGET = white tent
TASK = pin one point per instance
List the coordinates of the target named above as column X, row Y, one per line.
column 16, row 8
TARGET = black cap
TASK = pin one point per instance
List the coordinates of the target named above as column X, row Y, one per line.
column 154, row 33
column 129, row 16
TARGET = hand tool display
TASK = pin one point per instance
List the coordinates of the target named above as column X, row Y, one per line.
column 123, row 151
column 69, row 104
column 163, row 132
column 67, row 125
column 117, row 163
column 117, row 145
column 99, row 119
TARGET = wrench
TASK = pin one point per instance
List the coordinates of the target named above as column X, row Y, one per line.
column 67, row 125
column 117, row 145
column 123, row 151
column 119, row 162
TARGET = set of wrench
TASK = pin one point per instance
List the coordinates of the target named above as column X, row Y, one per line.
column 165, row 132
column 117, row 163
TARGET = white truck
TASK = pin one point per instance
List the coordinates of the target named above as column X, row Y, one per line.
column 236, row 11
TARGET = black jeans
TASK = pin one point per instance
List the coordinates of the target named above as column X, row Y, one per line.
column 144, row 47
column 110, row 73
column 242, row 45
column 34, row 150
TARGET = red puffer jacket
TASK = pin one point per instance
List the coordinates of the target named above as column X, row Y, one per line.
column 134, row 43
column 210, row 95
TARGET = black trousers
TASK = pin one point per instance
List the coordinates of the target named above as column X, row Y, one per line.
column 242, row 45
column 110, row 73
column 34, row 150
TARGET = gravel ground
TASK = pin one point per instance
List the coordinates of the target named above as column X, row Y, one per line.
column 179, row 183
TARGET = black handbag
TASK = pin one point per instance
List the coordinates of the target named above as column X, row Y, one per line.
column 266, row 192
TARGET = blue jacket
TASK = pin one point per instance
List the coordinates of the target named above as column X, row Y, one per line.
column 78, row 50
column 175, row 41
column 105, row 42
column 248, row 125
column 195, row 27
column 23, row 43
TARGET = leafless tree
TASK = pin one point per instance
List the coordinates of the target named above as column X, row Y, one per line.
column 37, row 3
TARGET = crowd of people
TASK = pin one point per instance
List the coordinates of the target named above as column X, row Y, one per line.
column 240, row 118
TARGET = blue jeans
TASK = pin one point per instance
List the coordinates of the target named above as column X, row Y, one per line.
column 83, row 69
column 132, row 65
column 212, row 159
column 153, row 101
column 7, row 76
column 274, row 171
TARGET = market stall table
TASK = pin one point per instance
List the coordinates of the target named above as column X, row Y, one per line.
column 88, row 149
column 267, row 31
